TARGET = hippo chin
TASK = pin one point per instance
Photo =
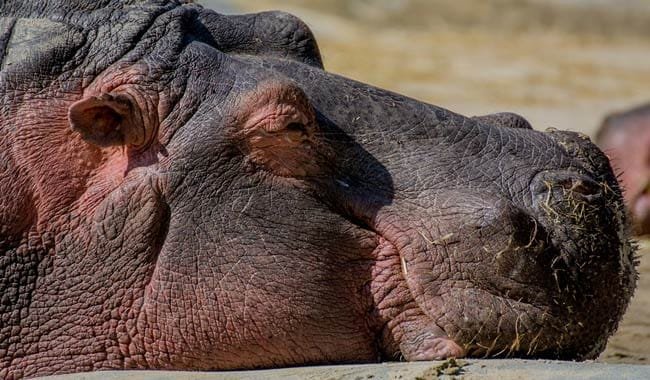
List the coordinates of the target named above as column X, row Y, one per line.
column 181, row 189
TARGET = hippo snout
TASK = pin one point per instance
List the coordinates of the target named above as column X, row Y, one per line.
column 517, row 266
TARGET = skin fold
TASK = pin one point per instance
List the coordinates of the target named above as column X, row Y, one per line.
column 181, row 189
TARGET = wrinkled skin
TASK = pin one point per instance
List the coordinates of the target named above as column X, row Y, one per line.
column 625, row 138
column 186, row 190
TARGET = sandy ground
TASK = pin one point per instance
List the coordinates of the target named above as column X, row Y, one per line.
column 446, row 370
column 559, row 63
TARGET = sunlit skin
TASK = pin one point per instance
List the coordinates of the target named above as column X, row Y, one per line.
column 181, row 189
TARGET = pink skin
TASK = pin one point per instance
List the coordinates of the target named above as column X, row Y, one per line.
column 264, row 124
column 73, row 174
column 185, row 209
column 409, row 331
column 628, row 147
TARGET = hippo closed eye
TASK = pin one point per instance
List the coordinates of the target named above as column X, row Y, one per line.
column 181, row 189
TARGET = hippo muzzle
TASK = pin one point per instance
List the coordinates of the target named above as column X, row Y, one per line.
column 512, row 268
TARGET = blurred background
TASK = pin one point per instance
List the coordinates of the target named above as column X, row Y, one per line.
column 559, row 63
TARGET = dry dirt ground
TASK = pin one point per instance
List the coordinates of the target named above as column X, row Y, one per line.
column 560, row 63
column 491, row 369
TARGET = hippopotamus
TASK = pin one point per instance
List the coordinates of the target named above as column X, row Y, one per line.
column 182, row 189
column 625, row 138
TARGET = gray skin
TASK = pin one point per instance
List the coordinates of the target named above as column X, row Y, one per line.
column 625, row 138
column 185, row 190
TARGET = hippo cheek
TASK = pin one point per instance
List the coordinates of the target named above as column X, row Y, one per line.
column 409, row 331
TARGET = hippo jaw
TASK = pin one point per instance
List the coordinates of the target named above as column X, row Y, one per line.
column 501, row 307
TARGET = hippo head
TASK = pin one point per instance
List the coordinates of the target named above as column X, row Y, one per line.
column 625, row 137
column 182, row 189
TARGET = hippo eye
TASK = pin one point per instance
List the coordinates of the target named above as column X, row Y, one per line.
column 280, row 130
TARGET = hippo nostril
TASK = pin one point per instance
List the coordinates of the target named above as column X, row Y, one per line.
column 566, row 184
column 582, row 186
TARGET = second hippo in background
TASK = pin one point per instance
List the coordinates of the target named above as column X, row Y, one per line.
column 625, row 137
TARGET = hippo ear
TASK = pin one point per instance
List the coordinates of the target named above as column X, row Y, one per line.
column 280, row 131
column 107, row 120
